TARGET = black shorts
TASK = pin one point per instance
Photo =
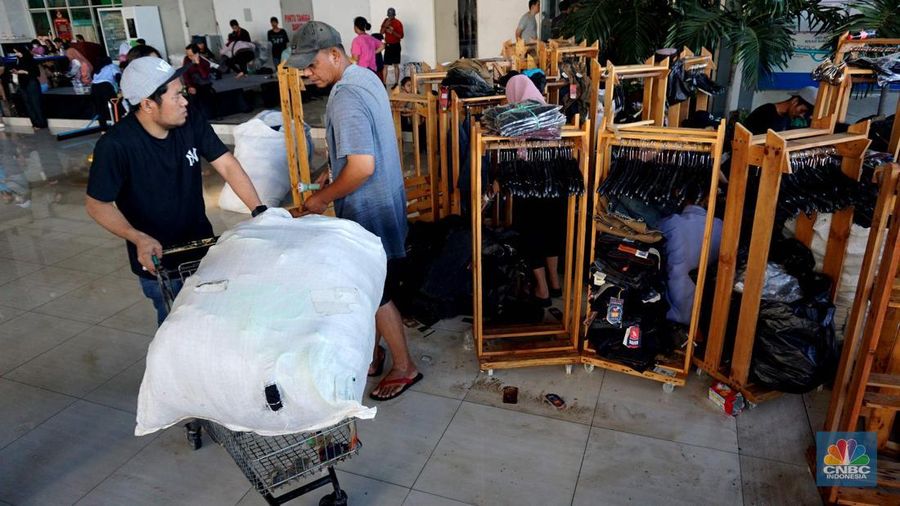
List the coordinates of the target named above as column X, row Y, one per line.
column 391, row 281
column 391, row 53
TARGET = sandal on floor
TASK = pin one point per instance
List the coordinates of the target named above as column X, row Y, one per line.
column 406, row 382
column 380, row 368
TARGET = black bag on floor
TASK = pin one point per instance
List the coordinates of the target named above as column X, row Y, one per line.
column 795, row 349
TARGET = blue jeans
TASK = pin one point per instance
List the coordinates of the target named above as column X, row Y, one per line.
column 151, row 290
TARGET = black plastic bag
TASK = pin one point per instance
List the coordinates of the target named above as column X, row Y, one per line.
column 467, row 83
column 795, row 349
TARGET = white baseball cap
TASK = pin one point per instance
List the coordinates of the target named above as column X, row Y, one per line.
column 807, row 94
column 144, row 75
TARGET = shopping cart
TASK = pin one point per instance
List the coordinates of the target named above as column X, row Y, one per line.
column 270, row 463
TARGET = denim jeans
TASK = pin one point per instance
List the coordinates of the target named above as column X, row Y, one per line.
column 151, row 290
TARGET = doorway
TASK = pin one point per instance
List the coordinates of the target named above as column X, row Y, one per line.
column 468, row 28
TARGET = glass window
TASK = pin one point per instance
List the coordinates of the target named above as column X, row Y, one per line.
column 41, row 23
column 83, row 23
column 36, row 4
column 56, row 3
column 78, row 3
column 107, row 3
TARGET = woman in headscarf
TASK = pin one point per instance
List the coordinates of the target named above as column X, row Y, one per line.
column 540, row 221
column 83, row 70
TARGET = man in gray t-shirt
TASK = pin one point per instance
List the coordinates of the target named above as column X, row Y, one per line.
column 368, row 183
column 527, row 28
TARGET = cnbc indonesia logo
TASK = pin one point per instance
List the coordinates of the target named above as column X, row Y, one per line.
column 846, row 460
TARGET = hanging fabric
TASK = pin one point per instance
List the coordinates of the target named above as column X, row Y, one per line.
column 543, row 172
column 817, row 184
column 663, row 178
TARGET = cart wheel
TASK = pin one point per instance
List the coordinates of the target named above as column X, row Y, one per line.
column 668, row 388
column 589, row 368
column 338, row 498
column 194, row 434
column 568, row 369
column 490, row 372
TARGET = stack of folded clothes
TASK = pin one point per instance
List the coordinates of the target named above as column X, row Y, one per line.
column 628, row 299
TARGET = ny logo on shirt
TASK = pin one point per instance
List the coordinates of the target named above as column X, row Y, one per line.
column 192, row 156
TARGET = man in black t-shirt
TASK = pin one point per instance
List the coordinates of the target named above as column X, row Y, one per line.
column 779, row 116
column 145, row 183
column 278, row 38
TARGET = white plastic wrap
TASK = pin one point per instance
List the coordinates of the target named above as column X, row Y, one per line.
column 856, row 249
column 263, row 156
column 282, row 301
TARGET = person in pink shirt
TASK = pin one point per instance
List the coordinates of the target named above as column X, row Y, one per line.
column 364, row 46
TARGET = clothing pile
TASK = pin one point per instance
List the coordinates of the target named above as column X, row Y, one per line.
column 542, row 173
column 469, row 78
column 529, row 118
column 628, row 306
column 623, row 225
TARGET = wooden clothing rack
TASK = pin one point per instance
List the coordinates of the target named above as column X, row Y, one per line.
column 771, row 152
column 556, row 53
column 868, row 376
column 835, row 99
column 519, row 52
column 423, row 194
column 290, row 85
column 674, row 371
column 450, row 162
column 656, row 78
column 524, row 345
column 700, row 102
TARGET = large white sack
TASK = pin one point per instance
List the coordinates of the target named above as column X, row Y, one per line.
column 263, row 156
column 298, row 311
column 856, row 249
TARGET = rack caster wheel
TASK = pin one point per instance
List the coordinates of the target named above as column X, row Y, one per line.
column 568, row 369
column 334, row 499
column 700, row 372
column 194, row 434
column 490, row 372
column 668, row 388
column 589, row 368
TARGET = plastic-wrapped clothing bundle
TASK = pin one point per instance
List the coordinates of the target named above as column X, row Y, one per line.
column 780, row 286
column 277, row 301
column 528, row 118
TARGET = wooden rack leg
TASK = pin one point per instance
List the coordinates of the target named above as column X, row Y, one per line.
column 444, row 131
column 755, row 274
column 863, row 291
column 805, row 229
column 431, row 136
column 731, row 233
column 887, row 273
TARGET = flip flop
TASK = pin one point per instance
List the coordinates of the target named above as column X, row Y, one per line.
column 380, row 368
column 406, row 382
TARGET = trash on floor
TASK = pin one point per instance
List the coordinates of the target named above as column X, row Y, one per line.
column 510, row 395
column 555, row 401
column 731, row 401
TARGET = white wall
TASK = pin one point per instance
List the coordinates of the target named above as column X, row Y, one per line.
column 340, row 14
column 260, row 12
column 446, row 31
column 15, row 21
column 418, row 18
column 497, row 22
column 172, row 24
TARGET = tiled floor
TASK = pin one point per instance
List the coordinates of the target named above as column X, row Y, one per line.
column 74, row 330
